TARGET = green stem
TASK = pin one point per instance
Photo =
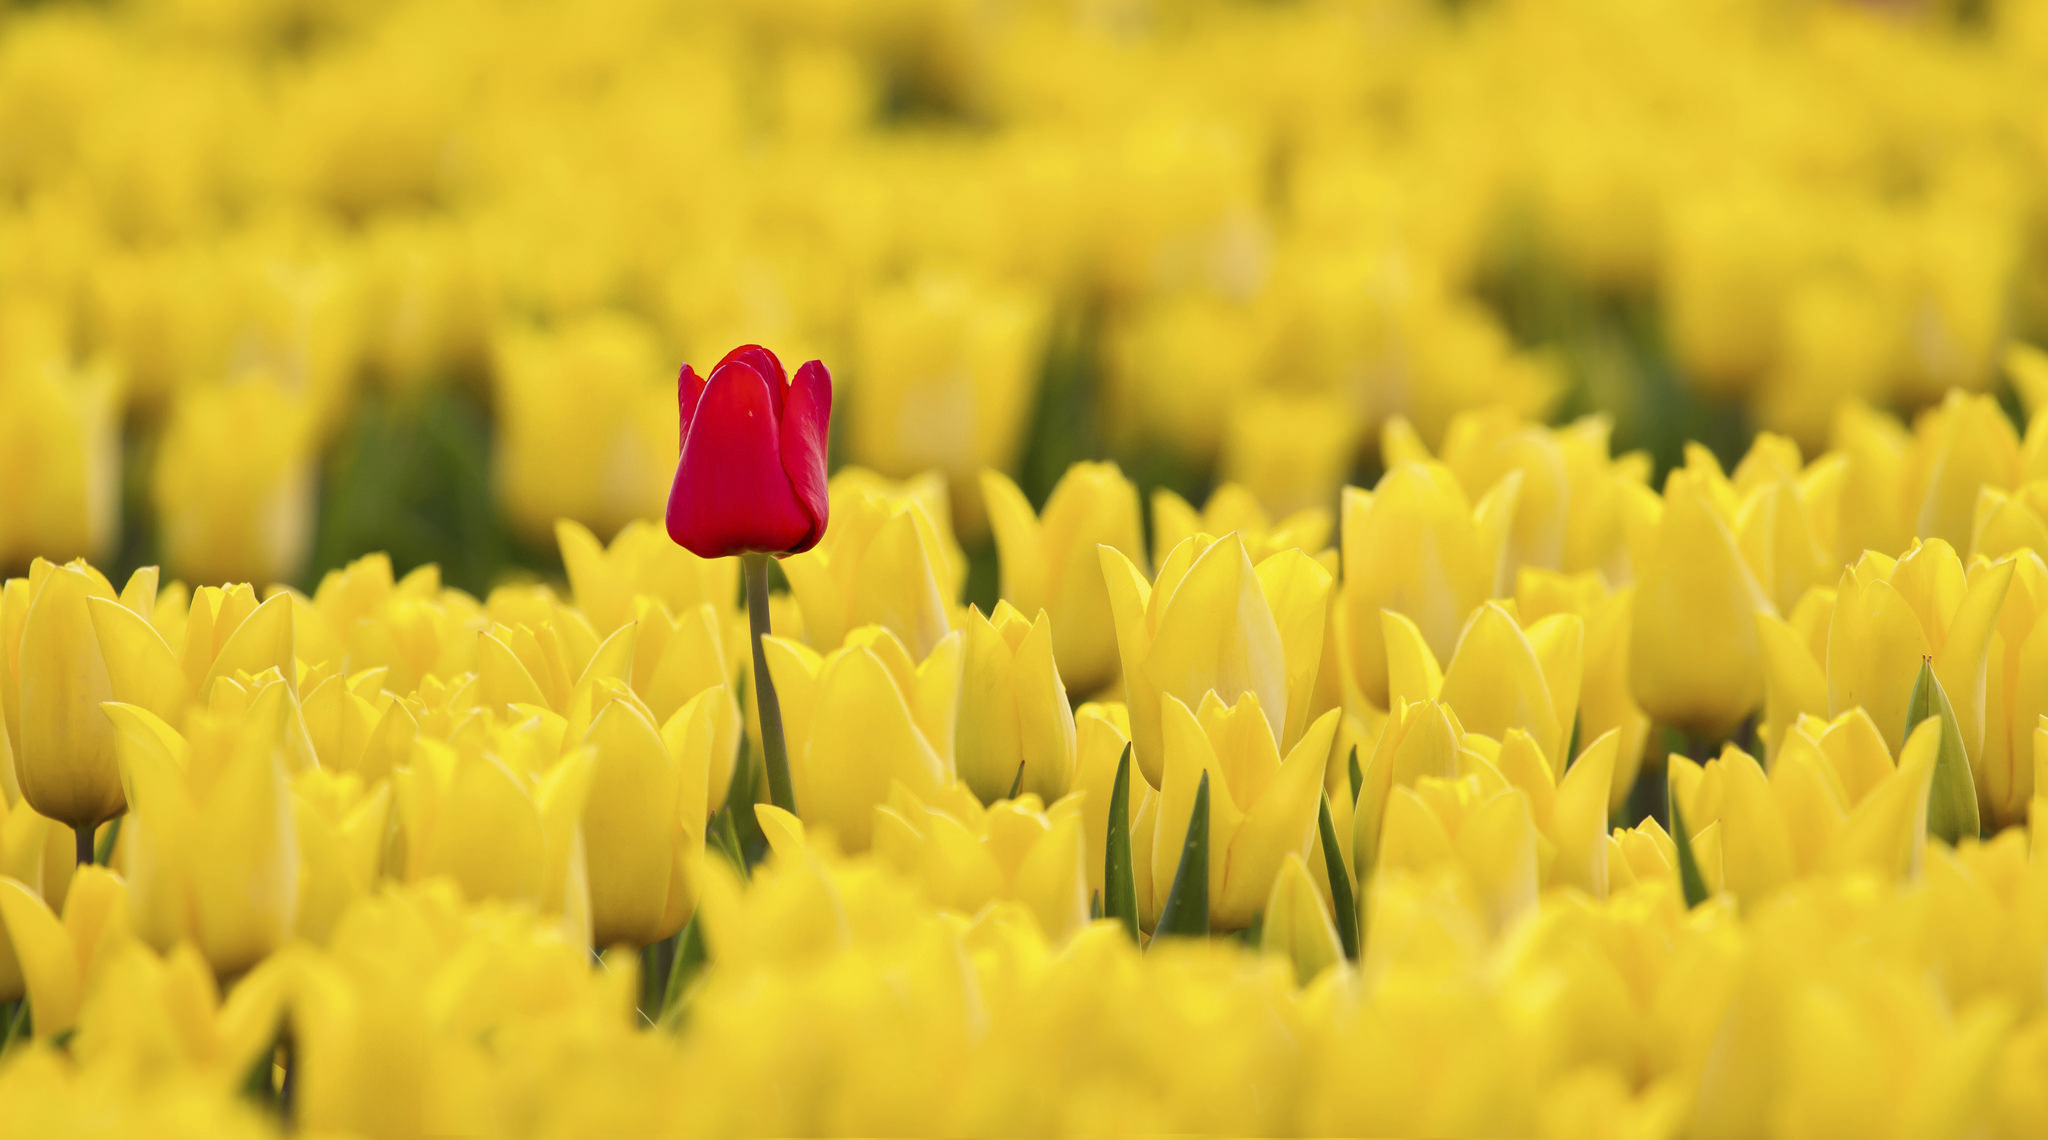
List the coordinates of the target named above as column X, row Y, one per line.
column 774, row 752
column 84, row 833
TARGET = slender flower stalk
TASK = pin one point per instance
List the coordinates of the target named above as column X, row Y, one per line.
column 775, row 754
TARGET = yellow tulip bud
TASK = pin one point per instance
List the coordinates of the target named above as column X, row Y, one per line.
column 60, row 455
column 341, row 829
column 212, row 842
column 586, row 425
column 1014, row 724
column 65, row 755
column 1694, row 658
column 856, row 720
column 888, row 559
column 1232, row 507
column 1296, row 925
column 1962, row 446
column 1413, row 546
column 1210, row 622
column 233, row 483
column 1260, row 807
column 644, row 819
column 1050, row 561
column 1290, row 451
column 640, row 562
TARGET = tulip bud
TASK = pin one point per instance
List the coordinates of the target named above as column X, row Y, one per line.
column 643, row 822
column 752, row 472
column 1694, row 659
column 1232, row 507
column 341, row 830
column 1290, row 451
column 66, row 757
column 1015, row 728
column 1965, row 444
column 1296, row 926
column 60, row 456
column 1049, row 561
column 891, row 561
column 640, row 562
column 234, row 483
column 1413, row 545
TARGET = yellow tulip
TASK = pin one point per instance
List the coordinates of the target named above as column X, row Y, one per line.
column 644, row 820
column 640, row 562
column 1260, row 806
column 1500, row 677
column 1015, row 727
column 1889, row 615
column 1421, row 738
column 1606, row 704
column 233, row 485
column 1295, row 924
column 586, row 424
column 1232, row 507
column 212, row 842
column 1485, row 834
column 862, row 717
column 60, row 453
column 888, row 559
column 2015, row 694
column 1290, row 451
column 1017, row 849
column 677, row 658
column 1875, row 506
column 943, row 370
column 1962, row 446
column 1694, row 659
column 1101, row 732
column 341, row 828
column 1413, row 545
column 64, row 752
column 49, row 959
column 1210, row 622
column 501, row 816
column 1049, row 560
column 224, row 631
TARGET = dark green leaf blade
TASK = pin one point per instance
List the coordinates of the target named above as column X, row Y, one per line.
column 1342, row 903
column 1689, row 878
column 1952, row 802
column 689, row 962
column 1119, row 879
column 1186, row 913
column 1357, row 776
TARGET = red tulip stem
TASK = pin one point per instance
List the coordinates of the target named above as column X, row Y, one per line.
column 775, row 753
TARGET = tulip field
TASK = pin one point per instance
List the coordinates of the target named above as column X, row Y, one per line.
column 1020, row 567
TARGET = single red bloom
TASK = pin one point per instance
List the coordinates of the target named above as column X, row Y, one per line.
column 751, row 476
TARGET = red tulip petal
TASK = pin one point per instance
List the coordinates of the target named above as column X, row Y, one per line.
column 689, row 389
column 730, row 493
column 806, row 421
column 764, row 362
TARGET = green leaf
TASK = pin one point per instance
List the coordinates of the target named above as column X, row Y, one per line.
column 727, row 840
column 1017, row 785
column 18, row 1024
column 1357, row 777
column 1341, row 900
column 1119, row 880
column 1187, row 903
column 112, row 835
column 1254, row 934
column 1689, row 878
column 1952, row 804
column 689, row 961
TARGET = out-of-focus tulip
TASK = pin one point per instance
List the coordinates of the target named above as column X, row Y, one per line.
column 49, row 960
column 501, row 814
column 414, row 627
column 1876, row 501
column 1232, row 507
column 1500, row 677
column 585, row 425
column 60, row 455
column 1017, row 850
column 233, row 485
column 643, row 824
column 1291, row 451
column 340, row 825
column 65, row 748
column 1260, row 806
column 945, row 367
column 1484, row 831
column 1101, row 733
column 1015, row 727
column 751, row 477
column 1416, row 546
column 1211, row 622
column 639, row 562
column 1965, row 444
column 212, row 845
column 1605, row 700
column 1795, row 660
column 1890, row 615
column 889, row 560
column 1049, row 560
column 862, row 717
column 1295, row 924
column 1694, row 660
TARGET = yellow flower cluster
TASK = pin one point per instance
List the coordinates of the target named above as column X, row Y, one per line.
column 1255, row 231
column 1370, row 828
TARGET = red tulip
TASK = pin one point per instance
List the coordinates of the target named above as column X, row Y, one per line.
column 751, row 478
